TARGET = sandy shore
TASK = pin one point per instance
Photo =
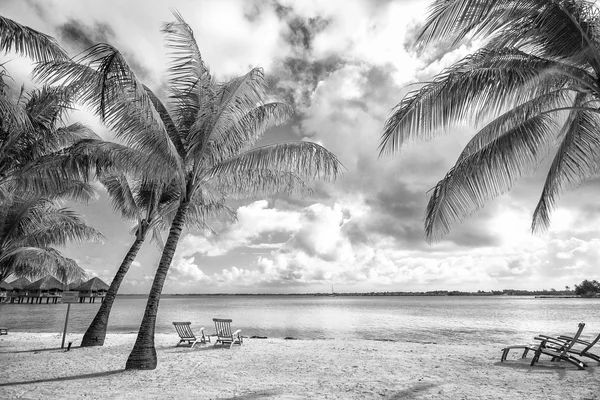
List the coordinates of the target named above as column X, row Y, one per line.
column 32, row 366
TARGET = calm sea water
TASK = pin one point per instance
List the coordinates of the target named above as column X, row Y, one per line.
column 498, row 319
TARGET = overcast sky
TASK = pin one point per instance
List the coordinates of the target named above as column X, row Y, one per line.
column 344, row 65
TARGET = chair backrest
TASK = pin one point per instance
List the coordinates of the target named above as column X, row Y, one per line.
column 572, row 342
column 223, row 327
column 588, row 347
column 184, row 330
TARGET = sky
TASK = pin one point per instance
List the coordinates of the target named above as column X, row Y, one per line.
column 343, row 65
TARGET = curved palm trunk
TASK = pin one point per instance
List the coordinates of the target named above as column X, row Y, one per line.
column 96, row 332
column 143, row 355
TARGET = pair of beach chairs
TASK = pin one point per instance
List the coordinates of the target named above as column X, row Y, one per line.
column 560, row 348
column 224, row 334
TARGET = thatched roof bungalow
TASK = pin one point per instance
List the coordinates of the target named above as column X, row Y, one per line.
column 93, row 288
column 19, row 284
column 74, row 284
column 5, row 287
column 45, row 285
column 48, row 287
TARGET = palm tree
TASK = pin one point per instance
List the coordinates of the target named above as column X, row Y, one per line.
column 203, row 137
column 30, row 228
column 151, row 205
column 536, row 78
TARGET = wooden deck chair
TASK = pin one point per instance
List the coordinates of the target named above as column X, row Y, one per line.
column 186, row 335
column 224, row 334
column 562, row 341
column 3, row 331
column 549, row 347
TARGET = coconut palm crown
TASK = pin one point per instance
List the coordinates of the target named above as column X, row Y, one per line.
column 535, row 85
column 203, row 136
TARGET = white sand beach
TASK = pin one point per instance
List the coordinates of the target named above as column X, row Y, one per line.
column 32, row 366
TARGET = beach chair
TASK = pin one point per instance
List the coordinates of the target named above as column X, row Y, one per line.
column 224, row 334
column 551, row 347
column 186, row 335
column 3, row 331
column 563, row 341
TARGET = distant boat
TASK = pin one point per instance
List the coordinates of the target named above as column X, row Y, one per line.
column 332, row 292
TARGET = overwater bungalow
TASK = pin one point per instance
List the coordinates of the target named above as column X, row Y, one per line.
column 92, row 289
column 18, row 294
column 48, row 288
column 74, row 284
column 5, row 287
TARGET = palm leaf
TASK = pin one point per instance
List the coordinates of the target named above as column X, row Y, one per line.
column 35, row 262
column 577, row 158
column 28, row 42
column 487, row 173
column 188, row 75
column 306, row 160
column 480, row 85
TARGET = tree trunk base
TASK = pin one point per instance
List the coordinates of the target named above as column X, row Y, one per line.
column 142, row 358
column 93, row 339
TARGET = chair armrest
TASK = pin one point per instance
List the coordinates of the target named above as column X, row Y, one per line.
column 547, row 339
column 237, row 332
column 570, row 339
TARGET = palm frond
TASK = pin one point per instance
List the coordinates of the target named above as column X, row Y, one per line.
column 28, row 42
column 557, row 99
column 487, row 173
column 577, row 159
column 105, row 83
column 121, row 196
column 306, row 160
column 188, row 75
column 35, row 262
column 483, row 84
column 242, row 133
column 58, row 227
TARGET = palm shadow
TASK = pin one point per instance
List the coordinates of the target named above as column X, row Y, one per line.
column 413, row 392
column 261, row 394
column 39, row 350
column 65, row 378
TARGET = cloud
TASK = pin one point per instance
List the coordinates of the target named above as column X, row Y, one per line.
column 80, row 36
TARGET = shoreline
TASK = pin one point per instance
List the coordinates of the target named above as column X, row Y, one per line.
column 34, row 367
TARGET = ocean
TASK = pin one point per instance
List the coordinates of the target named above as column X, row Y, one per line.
column 424, row 319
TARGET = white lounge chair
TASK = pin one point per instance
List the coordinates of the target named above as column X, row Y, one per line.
column 224, row 334
column 186, row 335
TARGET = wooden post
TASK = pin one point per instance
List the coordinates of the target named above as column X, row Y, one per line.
column 62, row 346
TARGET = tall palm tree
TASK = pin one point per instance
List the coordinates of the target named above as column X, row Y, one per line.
column 203, row 136
column 536, row 78
column 29, row 230
column 151, row 205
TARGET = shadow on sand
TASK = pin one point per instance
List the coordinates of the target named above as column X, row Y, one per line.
column 38, row 350
column 261, row 394
column 413, row 392
column 65, row 378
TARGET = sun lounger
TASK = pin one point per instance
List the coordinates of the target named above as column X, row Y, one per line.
column 224, row 334
column 562, row 341
column 186, row 335
column 3, row 331
column 548, row 346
